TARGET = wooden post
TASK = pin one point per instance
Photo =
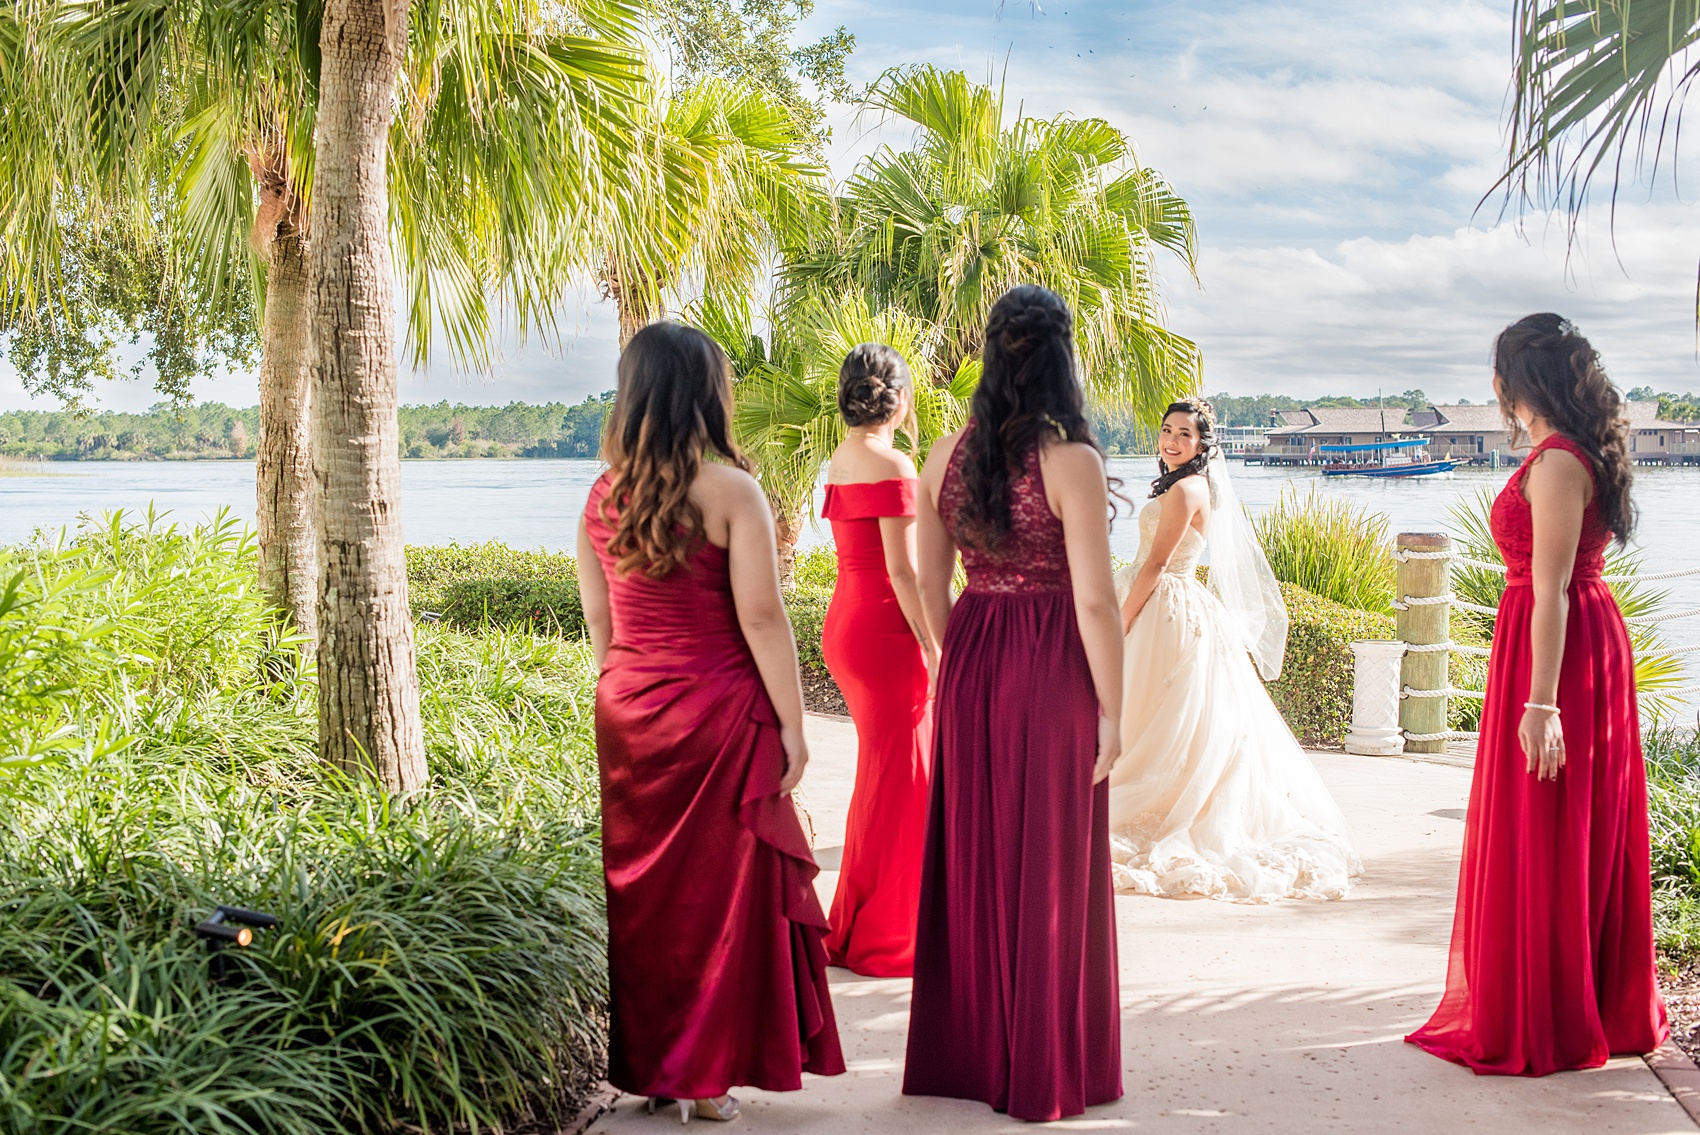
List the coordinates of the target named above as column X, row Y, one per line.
column 1424, row 622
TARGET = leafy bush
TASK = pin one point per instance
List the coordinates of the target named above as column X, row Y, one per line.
column 1314, row 691
column 1329, row 548
column 1673, row 820
column 438, row 965
column 494, row 585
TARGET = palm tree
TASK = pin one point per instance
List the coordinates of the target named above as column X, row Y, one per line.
column 786, row 415
column 942, row 229
column 516, row 135
column 729, row 183
column 1595, row 81
column 504, row 130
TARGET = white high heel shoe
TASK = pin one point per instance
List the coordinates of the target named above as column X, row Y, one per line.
column 722, row 1110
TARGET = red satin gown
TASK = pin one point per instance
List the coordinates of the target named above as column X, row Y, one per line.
column 878, row 664
column 716, row 970
column 1015, row 997
column 1552, row 963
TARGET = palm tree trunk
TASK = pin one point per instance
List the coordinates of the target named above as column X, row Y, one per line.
column 632, row 294
column 289, row 577
column 787, row 530
column 368, row 687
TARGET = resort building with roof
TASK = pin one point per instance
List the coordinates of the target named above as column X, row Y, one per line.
column 1463, row 432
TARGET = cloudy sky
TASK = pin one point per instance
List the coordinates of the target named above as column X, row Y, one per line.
column 1334, row 152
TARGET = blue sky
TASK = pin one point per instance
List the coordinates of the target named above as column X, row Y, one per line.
column 1334, row 153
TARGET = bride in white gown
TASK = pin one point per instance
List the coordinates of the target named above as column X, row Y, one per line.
column 1212, row 795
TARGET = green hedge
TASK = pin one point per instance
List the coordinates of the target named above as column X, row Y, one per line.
column 1314, row 692
column 493, row 585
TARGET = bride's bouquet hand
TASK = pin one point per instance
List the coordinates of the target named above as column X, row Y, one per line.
column 1109, row 747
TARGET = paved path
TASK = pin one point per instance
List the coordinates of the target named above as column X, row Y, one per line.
column 1240, row 1019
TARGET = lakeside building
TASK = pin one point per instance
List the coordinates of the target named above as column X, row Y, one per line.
column 1464, row 433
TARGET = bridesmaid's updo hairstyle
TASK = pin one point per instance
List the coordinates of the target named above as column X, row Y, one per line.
column 870, row 384
column 1204, row 421
column 1029, row 393
column 674, row 402
column 1547, row 367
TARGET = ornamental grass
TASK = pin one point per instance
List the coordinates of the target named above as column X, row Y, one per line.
column 439, row 962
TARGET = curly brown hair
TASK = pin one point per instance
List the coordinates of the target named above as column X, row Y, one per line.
column 673, row 404
column 1029, row 395
column 1547, row 367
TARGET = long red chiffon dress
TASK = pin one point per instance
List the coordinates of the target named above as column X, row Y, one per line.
column 1015, row 997
column 1552, row 963
column 716, row 970
column 876, row 661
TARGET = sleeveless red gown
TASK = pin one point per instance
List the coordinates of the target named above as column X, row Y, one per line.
column 1552, row 964
column 1015, row 997
column 716, row 971
column 876, row 661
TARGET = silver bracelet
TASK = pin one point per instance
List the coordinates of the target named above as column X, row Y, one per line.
column 1540, row 705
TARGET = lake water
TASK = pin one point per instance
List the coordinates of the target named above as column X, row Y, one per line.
column 535, row 503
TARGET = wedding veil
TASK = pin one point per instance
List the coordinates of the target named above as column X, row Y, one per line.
column 1240, row 575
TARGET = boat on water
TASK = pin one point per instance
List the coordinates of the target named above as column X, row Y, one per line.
column 1401, row 457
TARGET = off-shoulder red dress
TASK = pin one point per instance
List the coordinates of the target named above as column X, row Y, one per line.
column 1552, row 964
column 1015, row 1000
column 716, row 970
column 876, row 660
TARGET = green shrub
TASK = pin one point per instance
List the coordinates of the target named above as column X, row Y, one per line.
column 1673, row 821
column 1314, row 691
column 1329, row 548
column 438, row 965
column 494, row 585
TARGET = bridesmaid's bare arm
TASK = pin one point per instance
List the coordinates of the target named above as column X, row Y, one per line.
column 754, row 568
column 898, row 535
column 1078, row 493
column 1558, row 487
column 936, row 550
column 593, row 593
column 1184, row 500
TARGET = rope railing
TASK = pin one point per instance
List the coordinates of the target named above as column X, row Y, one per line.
column 1407, row 707
column 1405, row 555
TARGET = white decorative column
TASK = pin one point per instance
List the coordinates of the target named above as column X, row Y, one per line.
column 1375, row 728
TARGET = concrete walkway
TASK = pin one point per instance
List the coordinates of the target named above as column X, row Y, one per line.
column 1240, row 1019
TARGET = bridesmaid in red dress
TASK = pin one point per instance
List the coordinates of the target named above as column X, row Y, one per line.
column 879, row 652
column 716, row 970
column 1015, row 998
column 1552, row 963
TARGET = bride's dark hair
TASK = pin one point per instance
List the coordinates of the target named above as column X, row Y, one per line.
column 1204, row 421
column 1029, row 394
column 1547, row 367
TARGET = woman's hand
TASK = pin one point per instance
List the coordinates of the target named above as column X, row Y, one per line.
column 1542, row 738
column 796, row 756
column 931, row 654
column 1109, row 747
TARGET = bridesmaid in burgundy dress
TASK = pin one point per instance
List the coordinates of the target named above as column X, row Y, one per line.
column 1552, row 962
column 879, row 652
column 716, row 970
column 1015, row 998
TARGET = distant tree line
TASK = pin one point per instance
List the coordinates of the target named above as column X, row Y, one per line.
column 211, row 430
column 1672, row 407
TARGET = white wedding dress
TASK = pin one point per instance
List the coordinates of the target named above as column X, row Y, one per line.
column 1212, row 795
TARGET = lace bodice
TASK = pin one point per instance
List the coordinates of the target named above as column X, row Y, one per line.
column 1514, row 529
column 1185, row 560
column 1032, row 558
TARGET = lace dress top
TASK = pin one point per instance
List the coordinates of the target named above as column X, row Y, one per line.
column 1514, row 529
column 1031, row 559
column 1185, row 560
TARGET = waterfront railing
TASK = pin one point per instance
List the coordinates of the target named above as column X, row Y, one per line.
column 1403, row 689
